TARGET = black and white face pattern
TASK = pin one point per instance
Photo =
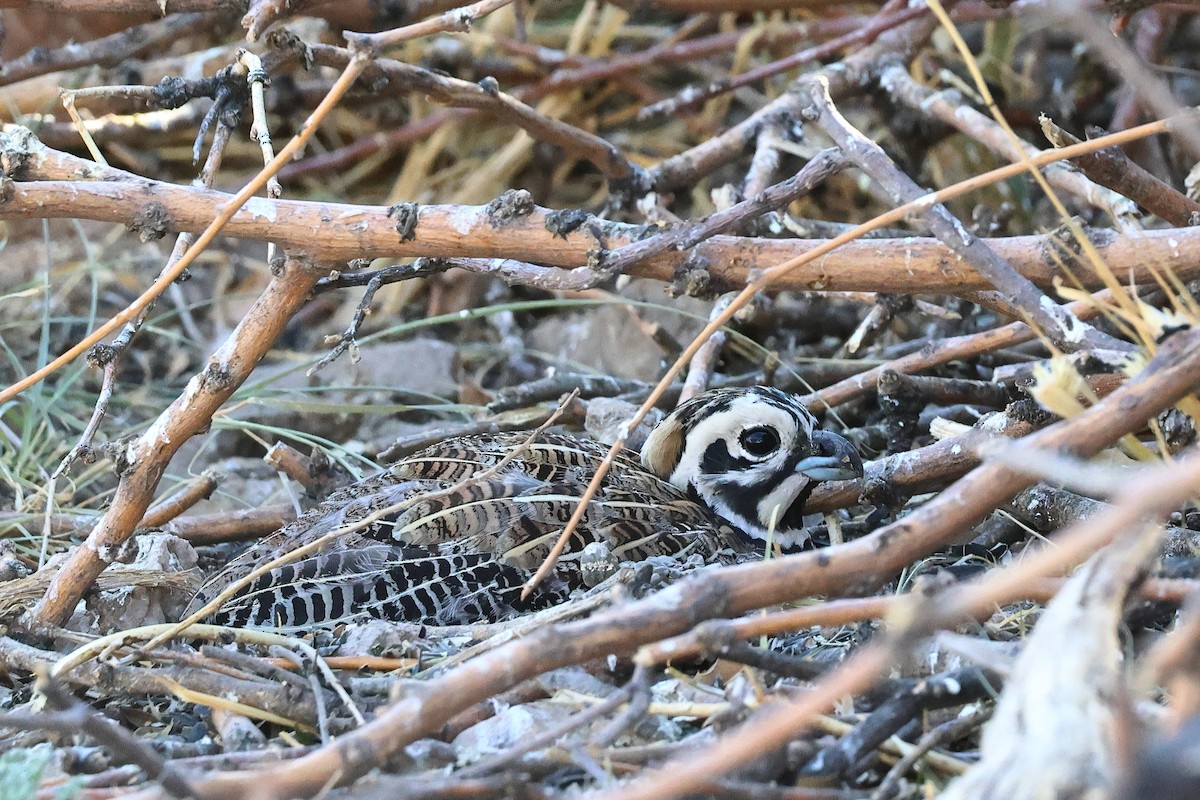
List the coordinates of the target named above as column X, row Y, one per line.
column 751, row 455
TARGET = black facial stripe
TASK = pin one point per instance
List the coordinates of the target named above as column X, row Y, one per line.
column 736, row 506
column 744, row 500
column 741, row 500
column 793, row 518
column 794, row 457
column 692, row 413
column 743, row 503
column 717, row 460
column 747, row 503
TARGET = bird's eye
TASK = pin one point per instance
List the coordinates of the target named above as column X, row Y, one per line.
column 760, row 442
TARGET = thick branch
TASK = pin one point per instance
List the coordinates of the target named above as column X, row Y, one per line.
column 50, row 184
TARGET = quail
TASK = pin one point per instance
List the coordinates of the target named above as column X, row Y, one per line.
column 443, row 537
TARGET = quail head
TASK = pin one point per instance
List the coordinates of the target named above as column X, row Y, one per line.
column 752, row 456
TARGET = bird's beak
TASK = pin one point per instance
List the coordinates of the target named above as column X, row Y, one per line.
column 834, row 458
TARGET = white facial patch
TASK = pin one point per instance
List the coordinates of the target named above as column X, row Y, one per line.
column 756, row 486
column 743, row 414
column 777, row 503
